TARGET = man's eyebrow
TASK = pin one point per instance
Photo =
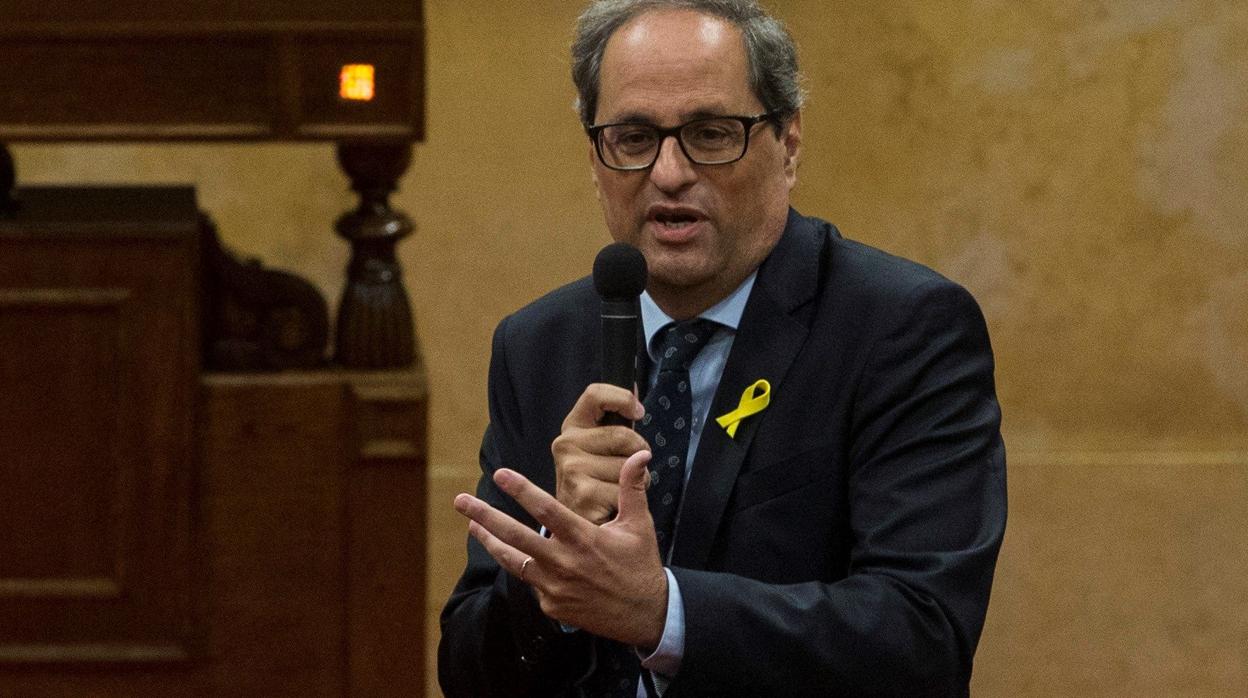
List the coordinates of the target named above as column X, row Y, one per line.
column 706, row 114
column 631, row 118
column 640, row 118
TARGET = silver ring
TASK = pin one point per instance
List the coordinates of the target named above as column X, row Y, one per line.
column 523, row 566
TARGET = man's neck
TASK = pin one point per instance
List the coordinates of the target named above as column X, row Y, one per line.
column 683, row 302
column 727, row 312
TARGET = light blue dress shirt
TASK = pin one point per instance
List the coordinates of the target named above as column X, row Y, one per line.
column 704, row 375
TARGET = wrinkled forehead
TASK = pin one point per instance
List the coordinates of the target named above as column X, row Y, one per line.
column 684, row 60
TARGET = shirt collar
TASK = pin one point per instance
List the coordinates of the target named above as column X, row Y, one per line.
column 726, row 312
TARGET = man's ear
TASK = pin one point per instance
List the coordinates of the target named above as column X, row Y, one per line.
column 792, row 140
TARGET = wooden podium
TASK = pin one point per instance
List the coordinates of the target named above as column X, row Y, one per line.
column 172, row 533
column 165, row 532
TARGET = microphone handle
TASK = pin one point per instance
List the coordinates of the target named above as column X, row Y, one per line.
column 620, row 320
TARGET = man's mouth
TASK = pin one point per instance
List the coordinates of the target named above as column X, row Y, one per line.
column 675, row 220
column 675, row 224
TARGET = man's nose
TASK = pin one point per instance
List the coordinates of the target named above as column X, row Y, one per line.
column 672, row 170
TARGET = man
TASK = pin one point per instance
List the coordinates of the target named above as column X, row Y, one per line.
column 827, row 497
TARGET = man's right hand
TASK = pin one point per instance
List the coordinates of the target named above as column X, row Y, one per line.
column 588, row 456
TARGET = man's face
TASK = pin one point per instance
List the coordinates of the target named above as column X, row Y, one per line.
column 702, row 228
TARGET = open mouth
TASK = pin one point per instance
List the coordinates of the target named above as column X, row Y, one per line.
column 675, row 220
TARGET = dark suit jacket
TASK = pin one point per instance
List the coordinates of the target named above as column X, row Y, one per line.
column 843, row 543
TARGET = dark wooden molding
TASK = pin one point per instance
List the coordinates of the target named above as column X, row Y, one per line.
column 80, row 588
column 62, row 299
column 28, row 655
column 385, row 434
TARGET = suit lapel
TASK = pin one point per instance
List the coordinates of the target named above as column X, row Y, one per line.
column 769, row 338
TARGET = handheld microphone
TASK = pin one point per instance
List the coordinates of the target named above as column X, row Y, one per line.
column 619, row 278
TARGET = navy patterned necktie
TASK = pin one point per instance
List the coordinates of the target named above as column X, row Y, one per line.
column 668, row 419
column 669, row 416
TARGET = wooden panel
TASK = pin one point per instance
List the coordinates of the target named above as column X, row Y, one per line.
column 273, row 469
column 387, row 528
column 208, row 10
column 214, row 71
column 314, row 502
column 97, row 330
column 61, row 442
column 220, row 83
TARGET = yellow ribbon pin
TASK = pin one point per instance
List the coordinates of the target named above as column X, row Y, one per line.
column 754, row 400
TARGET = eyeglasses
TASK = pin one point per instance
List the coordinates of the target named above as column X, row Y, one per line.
column 716, row 140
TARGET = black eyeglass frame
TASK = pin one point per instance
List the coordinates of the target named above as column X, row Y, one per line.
column 748, row 122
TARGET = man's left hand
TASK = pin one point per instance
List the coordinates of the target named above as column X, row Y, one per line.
column 606, row 579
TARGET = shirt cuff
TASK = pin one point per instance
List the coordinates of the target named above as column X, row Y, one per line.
column 666, row 658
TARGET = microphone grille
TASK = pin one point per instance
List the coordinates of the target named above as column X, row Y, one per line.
column 619, row 272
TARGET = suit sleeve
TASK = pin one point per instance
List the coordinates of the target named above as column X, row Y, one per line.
column 926, row 505
column 495, row 639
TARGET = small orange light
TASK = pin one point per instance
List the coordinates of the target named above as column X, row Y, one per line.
column 356, row 82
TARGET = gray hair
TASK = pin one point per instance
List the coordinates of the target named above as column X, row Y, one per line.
column 769, row 49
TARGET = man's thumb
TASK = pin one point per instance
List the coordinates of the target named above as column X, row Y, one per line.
column 634, row 477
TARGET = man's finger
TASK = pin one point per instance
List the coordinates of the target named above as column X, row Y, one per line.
column 634, row 479
column 500, row 525
column 550, row 512
column 594, row 500
column 508, row 557
column 599, row 399
column 599, row 440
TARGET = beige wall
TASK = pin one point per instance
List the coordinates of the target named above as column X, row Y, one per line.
column 1081, row 166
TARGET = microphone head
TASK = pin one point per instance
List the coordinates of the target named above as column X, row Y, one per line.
column 619, row 272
